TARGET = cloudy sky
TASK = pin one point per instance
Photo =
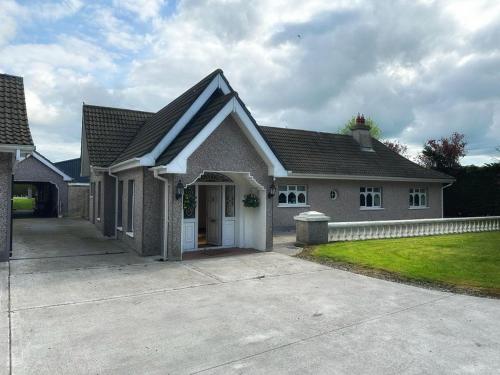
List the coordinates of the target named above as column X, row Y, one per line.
column 420, row 69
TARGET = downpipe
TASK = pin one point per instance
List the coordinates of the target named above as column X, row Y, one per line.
column 165, row 214
column 116, row 202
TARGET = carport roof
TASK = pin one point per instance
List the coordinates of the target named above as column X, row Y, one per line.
column 14, row 127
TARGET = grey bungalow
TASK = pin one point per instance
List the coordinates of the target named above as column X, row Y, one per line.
column 201, row 173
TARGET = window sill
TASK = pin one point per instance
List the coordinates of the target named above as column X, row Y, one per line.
column 282, row 205
column 418, row 208
column 120, row 229
column 371, row 208
column 130, row 234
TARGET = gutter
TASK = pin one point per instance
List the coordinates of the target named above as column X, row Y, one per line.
column 442, row 197
column 165, row 214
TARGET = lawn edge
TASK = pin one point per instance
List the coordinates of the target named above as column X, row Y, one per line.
column 395, row 277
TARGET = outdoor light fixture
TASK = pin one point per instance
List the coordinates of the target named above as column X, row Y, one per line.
column 272, row 190
column 179, row 190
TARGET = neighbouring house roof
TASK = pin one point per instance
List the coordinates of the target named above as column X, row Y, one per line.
column 72, row 168
column 161, row 122
column 42, row 159
column 310, row 152
column 108, row 131
column 14, row 128
column 196, row 125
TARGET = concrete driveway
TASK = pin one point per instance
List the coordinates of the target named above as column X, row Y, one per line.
column 82, row 304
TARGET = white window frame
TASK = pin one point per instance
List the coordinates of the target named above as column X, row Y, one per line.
column 373, row 191
column 420, row 192
column 99, row 200
column 295, row 190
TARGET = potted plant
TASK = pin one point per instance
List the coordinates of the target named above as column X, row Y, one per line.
column 251, row 200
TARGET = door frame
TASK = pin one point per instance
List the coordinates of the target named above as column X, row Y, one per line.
column 222, row 186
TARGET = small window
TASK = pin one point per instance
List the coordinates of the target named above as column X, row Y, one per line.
column 418, row 198
column 99, row 200
column 292, row 195
column 370, row 197
column 130, row 206
column 119, row 209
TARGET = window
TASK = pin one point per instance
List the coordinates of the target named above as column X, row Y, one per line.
column 130, row 207
column 418, row 198
column 229, row 203
column 292, row 195
column 370, row 197
column 119, row 209
column 99, row 200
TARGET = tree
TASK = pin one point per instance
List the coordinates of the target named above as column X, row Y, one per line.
column 375, row 131
column 397, row 147
column 443, row 154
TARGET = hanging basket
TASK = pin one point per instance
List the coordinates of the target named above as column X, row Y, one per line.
column 251, row 200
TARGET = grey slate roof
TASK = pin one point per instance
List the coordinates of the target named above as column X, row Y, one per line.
column 72, row 168
column 197, row 123
column 109, row 131
column 311, row 152
column 157, row 126
column 14, row 128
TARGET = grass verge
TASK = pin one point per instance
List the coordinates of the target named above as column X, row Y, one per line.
column 22, row 203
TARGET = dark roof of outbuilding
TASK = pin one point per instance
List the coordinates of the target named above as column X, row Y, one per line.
column 72, row 168
column 109, row 131
column 311, row 152
column 216, row 102
column 14, row 128
column 158, row 125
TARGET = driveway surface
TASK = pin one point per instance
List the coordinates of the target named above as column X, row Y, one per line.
column 73, row 302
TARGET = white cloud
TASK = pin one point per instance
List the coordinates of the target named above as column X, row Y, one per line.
column 145, row 9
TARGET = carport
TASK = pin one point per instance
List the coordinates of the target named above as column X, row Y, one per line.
column 49, row 185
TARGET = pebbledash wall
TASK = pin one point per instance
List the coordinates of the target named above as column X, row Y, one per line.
column 78, row 200
column 32, row 170
column 395, row 201
column 5, row 204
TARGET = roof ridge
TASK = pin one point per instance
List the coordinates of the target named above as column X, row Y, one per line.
column 305, row 130
column 117, row 108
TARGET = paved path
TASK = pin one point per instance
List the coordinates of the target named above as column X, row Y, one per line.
column 114, row 313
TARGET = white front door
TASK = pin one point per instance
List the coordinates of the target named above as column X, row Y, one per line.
column 214, row 215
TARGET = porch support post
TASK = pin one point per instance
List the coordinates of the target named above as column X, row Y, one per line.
column 311, row 228
column 175, row 227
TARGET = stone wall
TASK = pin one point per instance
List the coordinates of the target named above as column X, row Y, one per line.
column 5, row 204
column 395, row 205
column 78, row 201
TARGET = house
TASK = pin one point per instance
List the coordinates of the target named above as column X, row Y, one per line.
column 176, row 180
column 48, row 183
column 78, row 188
column 15, row 142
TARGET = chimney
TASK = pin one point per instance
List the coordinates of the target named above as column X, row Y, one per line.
column 361, row 133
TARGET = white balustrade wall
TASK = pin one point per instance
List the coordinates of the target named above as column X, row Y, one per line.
column 363, row 230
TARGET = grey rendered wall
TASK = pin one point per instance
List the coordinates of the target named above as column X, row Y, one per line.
column 5, row 204
column 152, row 211
column 346, row 206
column 226, row 149
column 78, row 201
column 134, row 242
column 106, row 224
column 30, row 169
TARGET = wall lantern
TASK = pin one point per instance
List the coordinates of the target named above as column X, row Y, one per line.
column 179, row 190
column 272, row 190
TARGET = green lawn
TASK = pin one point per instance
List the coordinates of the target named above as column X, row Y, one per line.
column 21, row 203
column 469, row 261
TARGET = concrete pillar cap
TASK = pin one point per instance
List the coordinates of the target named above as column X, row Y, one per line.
column 311, row 216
